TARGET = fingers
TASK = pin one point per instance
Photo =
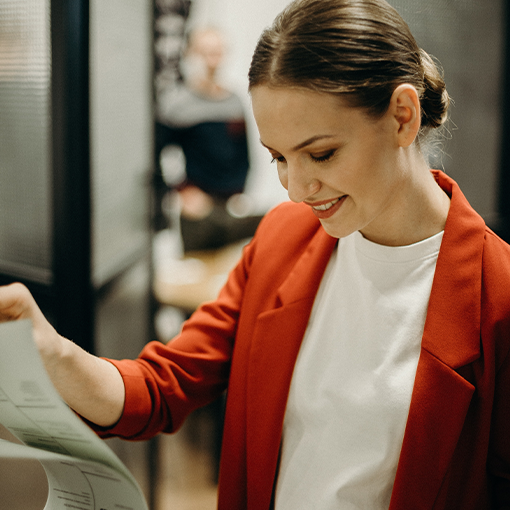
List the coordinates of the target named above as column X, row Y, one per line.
column 16, row 302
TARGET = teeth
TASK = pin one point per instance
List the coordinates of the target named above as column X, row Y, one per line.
column 325, row 207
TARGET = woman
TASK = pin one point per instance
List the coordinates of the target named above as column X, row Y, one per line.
column 364, row 335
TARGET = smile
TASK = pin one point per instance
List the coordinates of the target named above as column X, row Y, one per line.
column 326, row 210
column 325, row 207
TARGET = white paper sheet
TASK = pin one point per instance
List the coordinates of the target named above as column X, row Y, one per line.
column 83, row 473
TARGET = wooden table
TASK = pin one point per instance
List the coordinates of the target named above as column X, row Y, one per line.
column 188, row 282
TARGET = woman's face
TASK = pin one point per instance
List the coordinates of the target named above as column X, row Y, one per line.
column 334, row 158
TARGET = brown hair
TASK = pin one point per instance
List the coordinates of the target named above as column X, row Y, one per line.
column 360, row 49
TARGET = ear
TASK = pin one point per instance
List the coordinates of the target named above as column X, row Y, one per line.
column 406, row 110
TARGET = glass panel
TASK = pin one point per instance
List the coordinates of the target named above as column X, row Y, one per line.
column 121, row 94
column 25, row 140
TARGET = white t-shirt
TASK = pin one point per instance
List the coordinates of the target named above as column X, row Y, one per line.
column 352, row 383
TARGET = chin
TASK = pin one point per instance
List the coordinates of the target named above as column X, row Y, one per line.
column 336, row 231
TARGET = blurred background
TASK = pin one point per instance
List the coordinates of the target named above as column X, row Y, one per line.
column 105, row 106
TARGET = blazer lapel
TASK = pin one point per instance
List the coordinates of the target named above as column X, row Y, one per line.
column 275, row 344
column 451, row 340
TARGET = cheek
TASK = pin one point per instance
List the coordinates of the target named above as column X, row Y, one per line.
column 283, row 176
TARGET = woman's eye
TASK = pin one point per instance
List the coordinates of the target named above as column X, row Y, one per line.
column 280, row 159
column 322, row 158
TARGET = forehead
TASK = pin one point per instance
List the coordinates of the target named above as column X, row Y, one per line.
column 279, row 99
column 286, row 113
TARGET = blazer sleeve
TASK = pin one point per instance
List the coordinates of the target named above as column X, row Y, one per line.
column 168, row 381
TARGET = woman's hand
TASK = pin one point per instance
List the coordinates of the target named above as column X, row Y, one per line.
column 92, row 386
column 16, row 302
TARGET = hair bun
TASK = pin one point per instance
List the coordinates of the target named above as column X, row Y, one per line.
column 435, row 99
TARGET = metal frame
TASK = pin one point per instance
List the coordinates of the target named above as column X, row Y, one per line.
column 504, row 176
column 71, row 170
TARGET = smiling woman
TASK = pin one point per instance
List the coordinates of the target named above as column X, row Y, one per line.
column 319, row 90
column 364, row 336
column 356, row 171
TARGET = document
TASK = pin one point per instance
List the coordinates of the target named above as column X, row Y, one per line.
column 83, row 472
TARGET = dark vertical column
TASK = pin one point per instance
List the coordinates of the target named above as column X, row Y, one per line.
column 504, row 180
column 71, row 165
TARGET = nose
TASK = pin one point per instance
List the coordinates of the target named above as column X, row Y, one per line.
column 299, row 182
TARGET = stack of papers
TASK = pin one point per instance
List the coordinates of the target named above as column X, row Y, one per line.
column 83, row 473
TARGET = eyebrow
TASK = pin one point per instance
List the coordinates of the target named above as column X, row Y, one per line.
column 304, row 144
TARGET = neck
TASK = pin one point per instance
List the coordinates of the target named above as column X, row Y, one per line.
column 420, row 210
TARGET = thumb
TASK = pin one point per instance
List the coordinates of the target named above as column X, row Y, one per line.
column 16, row 302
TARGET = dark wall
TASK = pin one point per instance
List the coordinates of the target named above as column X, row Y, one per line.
column 469, row 38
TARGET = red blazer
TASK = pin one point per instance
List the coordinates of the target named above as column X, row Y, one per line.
column 456, row 448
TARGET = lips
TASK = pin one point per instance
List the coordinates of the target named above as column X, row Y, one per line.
column 325, row 207
column 325, row 210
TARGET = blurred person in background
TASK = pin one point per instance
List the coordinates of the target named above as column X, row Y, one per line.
column 207, row 121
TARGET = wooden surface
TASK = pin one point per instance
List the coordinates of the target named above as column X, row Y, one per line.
column 197, row 277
